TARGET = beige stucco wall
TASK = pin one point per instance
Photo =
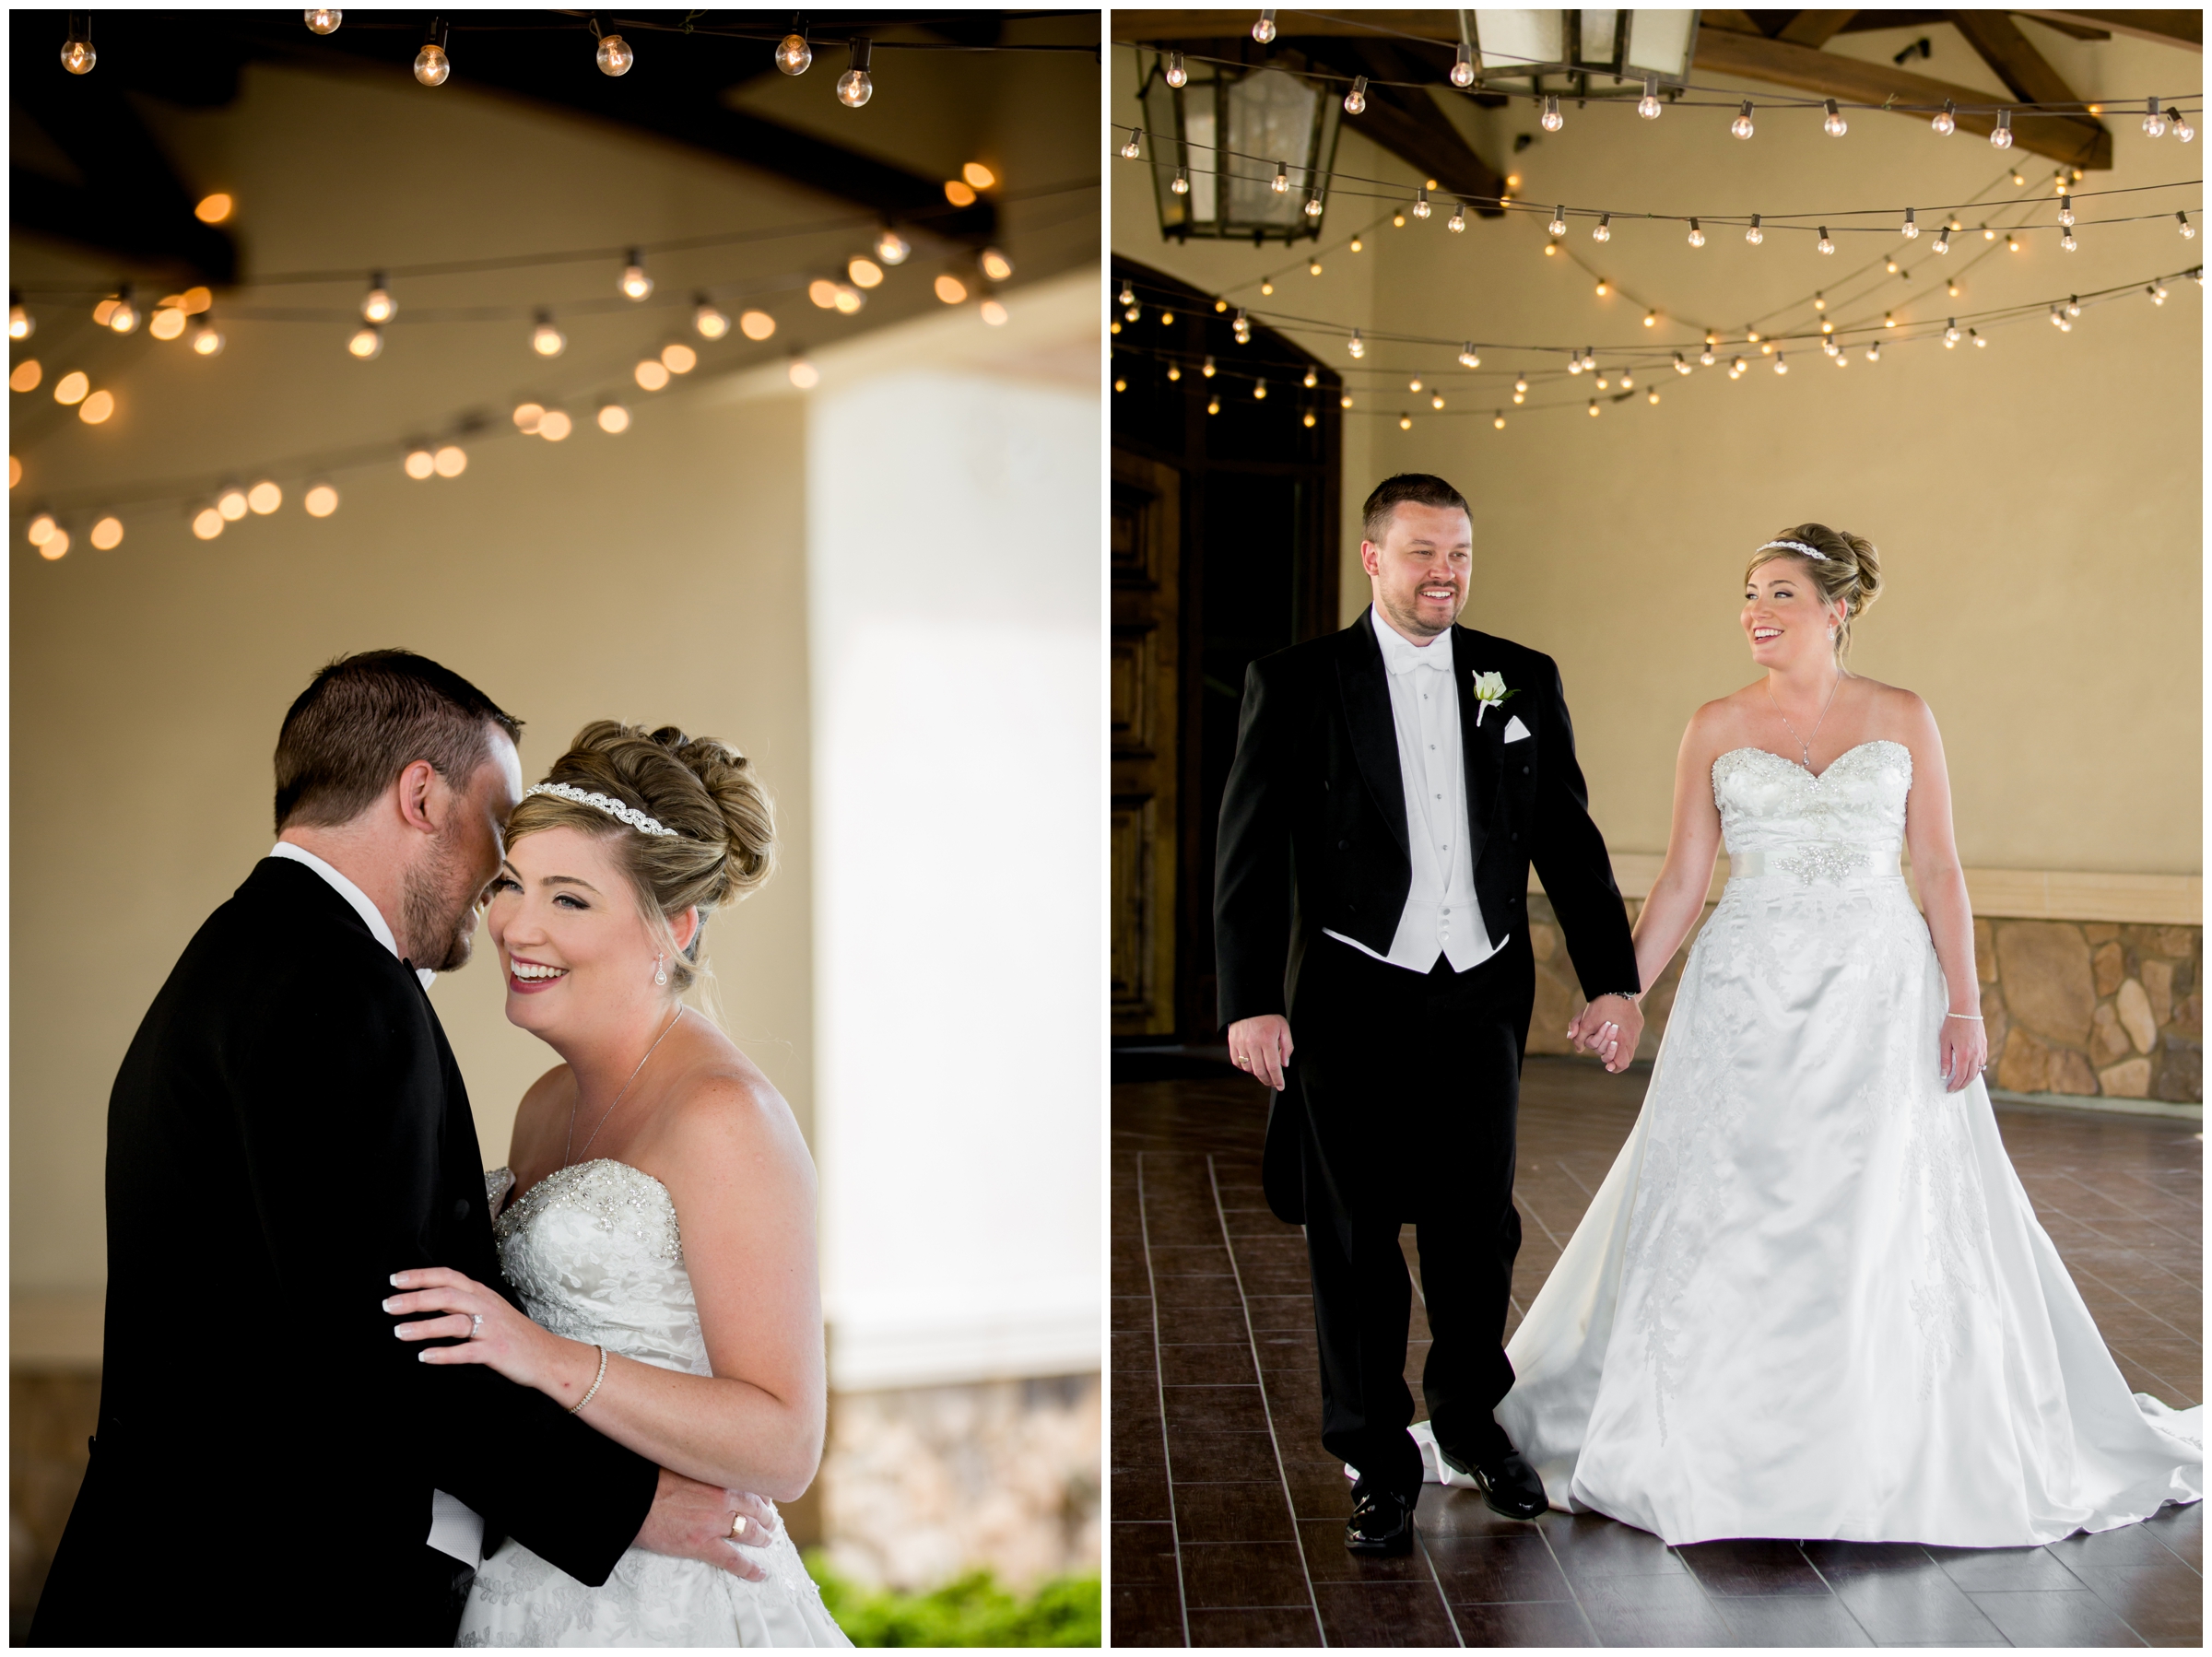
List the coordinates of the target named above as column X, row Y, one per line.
column 2037, row 502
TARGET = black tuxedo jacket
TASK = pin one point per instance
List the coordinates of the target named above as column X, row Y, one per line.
column 287, row 1130
column 1314, row 831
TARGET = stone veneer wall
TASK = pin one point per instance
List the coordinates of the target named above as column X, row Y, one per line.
column 920, row 1484
column 2080, row 1008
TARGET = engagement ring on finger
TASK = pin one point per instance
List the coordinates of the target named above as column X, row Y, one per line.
column 736, row 1526
column 475, row 1324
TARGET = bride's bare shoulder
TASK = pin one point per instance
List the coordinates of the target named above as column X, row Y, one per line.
column 540, row 1119
column 1717, row 726
column 725, row 1113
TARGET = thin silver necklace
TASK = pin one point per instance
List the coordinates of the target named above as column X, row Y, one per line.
column 568, row 1154
column 1803, row 747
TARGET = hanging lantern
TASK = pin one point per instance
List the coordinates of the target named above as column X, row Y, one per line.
column 1224, row 111
column 1560, row 52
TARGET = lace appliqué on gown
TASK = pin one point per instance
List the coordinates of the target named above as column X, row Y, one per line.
column 594, row 1252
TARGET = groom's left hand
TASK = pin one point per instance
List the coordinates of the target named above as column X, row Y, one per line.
column 1610, row 1026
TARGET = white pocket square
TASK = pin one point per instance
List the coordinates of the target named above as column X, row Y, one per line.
column 1515, row 731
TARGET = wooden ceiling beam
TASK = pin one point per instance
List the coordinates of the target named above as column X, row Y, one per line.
column 2078, row 140
column 1814, row 28
column 2027, row 72
column 2182, row 27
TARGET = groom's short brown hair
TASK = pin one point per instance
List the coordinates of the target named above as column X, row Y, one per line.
column 366, row 718
column 1420, row 487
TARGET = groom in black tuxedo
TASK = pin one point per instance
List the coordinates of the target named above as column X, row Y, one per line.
column 1392, row 785
column 287, row 1130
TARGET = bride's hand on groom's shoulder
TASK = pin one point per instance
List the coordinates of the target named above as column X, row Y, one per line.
column 489, row 1328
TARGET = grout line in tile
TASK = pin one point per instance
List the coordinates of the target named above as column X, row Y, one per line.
column 1167, row 1456
column 1266, row 1404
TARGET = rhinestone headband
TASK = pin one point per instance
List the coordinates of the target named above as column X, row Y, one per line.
column 614, row 808
column 1813, row 553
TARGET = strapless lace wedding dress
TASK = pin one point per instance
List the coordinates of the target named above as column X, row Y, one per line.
column 593, row 1250
column 1811, row 1299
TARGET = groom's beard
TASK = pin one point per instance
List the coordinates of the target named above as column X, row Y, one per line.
column 439, row 910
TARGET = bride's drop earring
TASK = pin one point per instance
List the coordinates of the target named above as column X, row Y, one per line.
column 660, row 969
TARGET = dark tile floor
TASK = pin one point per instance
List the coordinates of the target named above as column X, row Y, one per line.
column 1228, row 1515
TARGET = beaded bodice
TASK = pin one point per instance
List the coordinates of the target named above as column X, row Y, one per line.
column 593, row 1250
column 1775, row 814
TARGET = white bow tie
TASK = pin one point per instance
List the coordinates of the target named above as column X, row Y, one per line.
column 1408, row 660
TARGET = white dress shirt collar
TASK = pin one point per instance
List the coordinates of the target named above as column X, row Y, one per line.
column 371, row 917
column 1400, row 654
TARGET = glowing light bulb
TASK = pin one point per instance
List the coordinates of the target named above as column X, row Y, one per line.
column 1605, row 228
column 1131, row 150
column 1436, row 400
column 2154, row 123
column 2066, row 210
column 1594, row 410
column 1741, row 126
column 367, row 341
column 1950, row 328
column 1414, row 384
column 321, row 500
column 1207, row 368
column 555, row 426
column 1835, row 127
column 2067, row 241
column 1706, row 356
column 1946, row 120
column 1308, row 418
column 208, row 523
column 420, row 463
column 1551, row 119
column 1175, row 75
column 1458, row 221
column 77, row 56
column 1355, row 345
column 1266, row 287
column 1405, row 422
column 1181, row 186
column 635, row 284
column 1911, row 225
column 527, row 416
column 124, row 317
column 213, row 209
column 545, row 338
column 1648, row 105
column 1354, row 101
column 2011, row 245
column 2181, row 129
column 2073, row 305
column 231, row 503
column 21, row 325
column 1355, row 245
column 1467, row 356
column 2158, row 294
column 1421, row 204
column 613, row 418
column 1174, row 374
column 377, row 304
column 206, row 338
column 1574, row 364
column 756, row 324
column 1754, row 235
column 1952, row 288
column 324, row 19
column 2002, row 137
column 1874, row 350
column 855, row 86
column 614, row 56
column 1497, row 421
column 996, row 266
column 40, row 529
column 55, row 545
column 167, row 322
column 1264, row 30
column 26, row 375
column 450, row 461
column 678, row 357
column 1314, row 211
column 1603, row 383
column 107, row 534
column 2188, row 229
column 952, row 290
column 1213, row 406
column 651, row 374
column 72, row 388
column 1780, row 366
column 264, row 497
column 710, row 322
column 431, row 64
column 1827, row 245
column 1259, row 390
column 1462, row 67
column 1557, row 226
column 1697, row 235
column 1943, row 239
column 1651, row 319
column 793, row 55
column 993, row 311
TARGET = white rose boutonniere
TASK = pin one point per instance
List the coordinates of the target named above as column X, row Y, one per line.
column 1490, row 690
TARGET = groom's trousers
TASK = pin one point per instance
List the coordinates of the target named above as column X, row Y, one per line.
column 1409, row 1086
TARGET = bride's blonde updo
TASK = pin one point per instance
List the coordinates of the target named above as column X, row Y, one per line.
column 1846, row 570
column 723, row 843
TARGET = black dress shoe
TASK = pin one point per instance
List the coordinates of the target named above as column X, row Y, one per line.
column 1382, row 1523
column 1508, row 1482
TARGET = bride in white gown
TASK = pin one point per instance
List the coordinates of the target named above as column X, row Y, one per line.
column 1811, row 1299
column 661, row 1227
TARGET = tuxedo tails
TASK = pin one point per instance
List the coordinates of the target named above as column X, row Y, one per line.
column 1400, row 1097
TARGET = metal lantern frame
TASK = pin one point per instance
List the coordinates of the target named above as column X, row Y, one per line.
column 1209, row 127
column 1560, row 51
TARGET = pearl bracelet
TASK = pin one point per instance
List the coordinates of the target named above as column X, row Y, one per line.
column 594, row 1386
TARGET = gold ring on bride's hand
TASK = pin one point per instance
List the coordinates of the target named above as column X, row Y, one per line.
column 736, row 1526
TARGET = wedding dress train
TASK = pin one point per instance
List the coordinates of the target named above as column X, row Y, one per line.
column 594, row 1252
column 1811, row 1299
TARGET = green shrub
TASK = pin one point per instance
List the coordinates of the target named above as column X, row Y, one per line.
column 972, row 1611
